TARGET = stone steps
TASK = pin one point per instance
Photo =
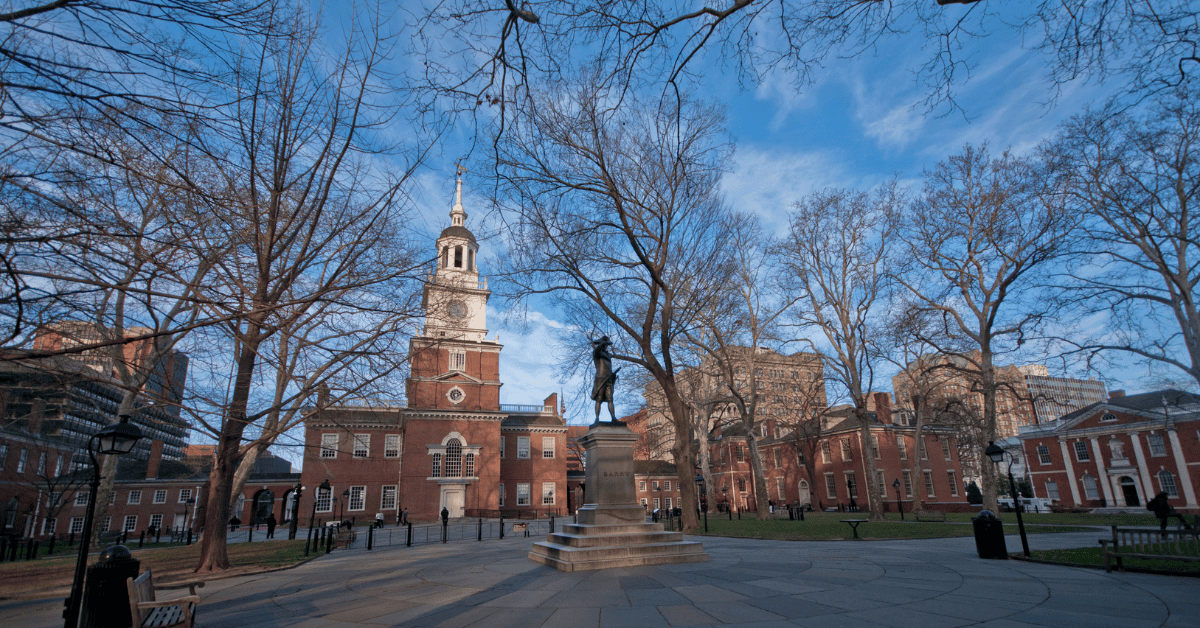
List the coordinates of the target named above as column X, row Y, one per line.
column 632, row 553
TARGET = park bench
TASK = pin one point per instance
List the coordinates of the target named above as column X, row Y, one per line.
column 149, row 612
column 1150, row 543
column 929, row 515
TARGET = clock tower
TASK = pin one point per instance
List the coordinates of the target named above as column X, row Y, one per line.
column 453, row 365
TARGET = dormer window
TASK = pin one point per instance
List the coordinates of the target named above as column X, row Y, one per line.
column 1108, row 416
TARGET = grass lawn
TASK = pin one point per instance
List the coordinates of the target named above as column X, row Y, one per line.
column 827, row 526
column 50, row 577
column 1093, row 556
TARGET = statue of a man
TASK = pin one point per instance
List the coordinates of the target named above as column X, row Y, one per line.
column 606, row 378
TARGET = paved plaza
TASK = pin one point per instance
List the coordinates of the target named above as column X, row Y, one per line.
column 936, row 583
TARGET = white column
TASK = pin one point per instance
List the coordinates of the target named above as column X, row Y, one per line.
column 1062, row 444
column 1185, row 477
column 1105, row 485
column 1147, row 487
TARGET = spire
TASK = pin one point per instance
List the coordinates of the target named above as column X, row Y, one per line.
column 458, row 217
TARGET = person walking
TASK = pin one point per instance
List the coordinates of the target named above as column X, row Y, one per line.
column 271, row 523
column 404, row 516
column 1162, row 509
column 445, row 515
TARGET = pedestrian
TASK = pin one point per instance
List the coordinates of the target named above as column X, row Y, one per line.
column 271, row 523
column 853, row 505
column 404, row 516
column 445, row 515
column 378, row 520
column 234, row 522
column 1163, row 510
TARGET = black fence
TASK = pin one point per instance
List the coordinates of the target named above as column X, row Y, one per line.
column 512, row 513
column 458, row 531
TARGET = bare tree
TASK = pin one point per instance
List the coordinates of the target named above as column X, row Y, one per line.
column 613, row 212
column 1137, row 179
column 974, row 246
column 839, row 253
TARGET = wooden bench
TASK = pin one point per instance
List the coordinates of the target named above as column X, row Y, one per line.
column 929, row 515
column 1150, row 543
column 149, row 612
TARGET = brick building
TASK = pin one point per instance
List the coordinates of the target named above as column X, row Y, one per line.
column 657, row 484
column 451, row 444
column 1119, row 453
column 930, row 474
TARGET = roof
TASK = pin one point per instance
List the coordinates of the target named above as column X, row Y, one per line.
column 527, row 420
column 1143, row 402
column 455, row 231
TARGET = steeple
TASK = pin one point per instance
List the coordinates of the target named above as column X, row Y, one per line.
column 458, row 217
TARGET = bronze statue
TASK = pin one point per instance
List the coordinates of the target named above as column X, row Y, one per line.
column 606, row 378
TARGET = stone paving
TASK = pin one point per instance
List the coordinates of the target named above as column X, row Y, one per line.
column 936, row 583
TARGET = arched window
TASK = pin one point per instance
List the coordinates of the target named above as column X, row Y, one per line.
column 1090, row 489
column 453, row 458
column 445, row 256
column 469, row 467
column 1166, row 482
column 470, row 259
column 458, row 257
column 437, row 466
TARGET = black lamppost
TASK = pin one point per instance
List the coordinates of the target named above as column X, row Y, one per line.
column 703, row 499
column 345, row 498
column 187, row 515
column 996, row 453
column 899, row 506
column 114, row 439
column 296, row 490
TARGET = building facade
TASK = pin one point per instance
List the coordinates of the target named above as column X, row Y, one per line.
column 451, row 444
column 1119, row 453
column 1054, row 397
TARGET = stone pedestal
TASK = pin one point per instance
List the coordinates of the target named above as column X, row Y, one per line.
column 612, row 529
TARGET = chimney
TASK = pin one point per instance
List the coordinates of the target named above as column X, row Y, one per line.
column 35, row 416
column 1116, row 394
column 551, row 402
column 322, row 395
column 883, row 407
column 155, row 460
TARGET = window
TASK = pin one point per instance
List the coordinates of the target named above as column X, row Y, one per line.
column 1043, row 454
column 929, row 492
column 724, row 456
column 48, row 525
column 741, row 485
column 1090, row 488
column 522, row 447
column 453, row 458
column 953, row 483
column 160, row 496
column 548, row 446
column 1108, row 416
column 547, row 493
column 469, row 466
column 826, row 456
column 778, row 461
column 667, row 485
column 130, row 523
column 851, row 485
column 1081, row 452
column 358, row 498
column 81, row 498
column 184, row 495
column 908, row 492
column 946, row 449
column 22, row 460
column 362, row 445
column 657, row 503
column 135, row 497
column 391, row 446
column 642, row 486
column 112, row 498
column 3, row 455
column 880, row 484
column 741, row 454
column 58, row 466
column 329, row 443
column 1166, row 482
column 846, row 455
column 458, row 360
column 502, row 439
column 654, row 485
column 923, row 450
column 902, row 448
column 156, row 521
column 1157, row 447
column 523, row 494
column 667, row 503
column 324, row 500
column 437, row 466
column 41, row 463
column 645, row 503
column 107, row 523
column 387, row 497
column 779, row 488
column 76, row 525
column 875, row 447
column 1052, row 490
column 830, row 486
column 501, row 491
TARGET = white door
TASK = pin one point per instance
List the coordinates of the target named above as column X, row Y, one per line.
column 179, row 522
column 453, row 498
column 805, row 498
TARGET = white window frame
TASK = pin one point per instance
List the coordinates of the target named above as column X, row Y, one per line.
column 324, row 500
column 779, row 488
column 362, row 446
column 548, row 493
column 523, row 494
column 657, row 503
column 156, row 521
column 667, row 503
column 851, row 484
column 953, row 483
column 1156, row 444
column 184, row 495
column 1170, row 487
column 81, row 498
column 458, row 360
column 642, row 486
column 135, row 497
column 76, row 525
column 358, row 499
column 1091, row 490
column 548, row 446
column 740, row 454
column 666, row 485
column 502, row 441
column 160, row 496
column 946, row 449
column 778, row 459
column 1043, row 454
column 1081, row 451
column 501, row 504
column 387, row 497
column 329, row 445
column 22, row 460
column 1052, row 490
column 129, row 524
column 930, row 491
column 830, row 486
column 107, row 523
column 522, row 448
column 908, row 487
column 902, row 447
column 391, row 446
column 847, row 452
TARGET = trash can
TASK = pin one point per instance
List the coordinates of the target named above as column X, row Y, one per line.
column 105, row 595
column 989, row 536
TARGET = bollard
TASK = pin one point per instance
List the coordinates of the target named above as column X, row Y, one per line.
column 329, row 542
column 444, row 522
column 50, row 549
column 802, row 513
column 409, row 542
column 791, row 514
column 189, row 539
column 730, row 511
column 370, row 537
column 501, row 526
column 308, row 540
column 250, row 535
column 481, row 528
column 739, row 514
column 142, row 539
column 158, row 535
column 33, row 548
column 71, row 539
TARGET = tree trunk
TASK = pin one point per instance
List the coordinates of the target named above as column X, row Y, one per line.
column 761, row 498
column 685, row 461
column 873, row 497
column 987, row 376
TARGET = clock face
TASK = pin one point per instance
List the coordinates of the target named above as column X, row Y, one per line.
column 457, row 310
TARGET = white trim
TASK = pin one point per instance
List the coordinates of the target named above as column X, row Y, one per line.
column 1102, row 472
column 1185, row 476
column 1062, row 444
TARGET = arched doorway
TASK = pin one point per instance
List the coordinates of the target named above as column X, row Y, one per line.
column 1129, row 489
column 805, row 498
column 264, row 505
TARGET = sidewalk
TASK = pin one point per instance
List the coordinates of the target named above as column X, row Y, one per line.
column 765, row 584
